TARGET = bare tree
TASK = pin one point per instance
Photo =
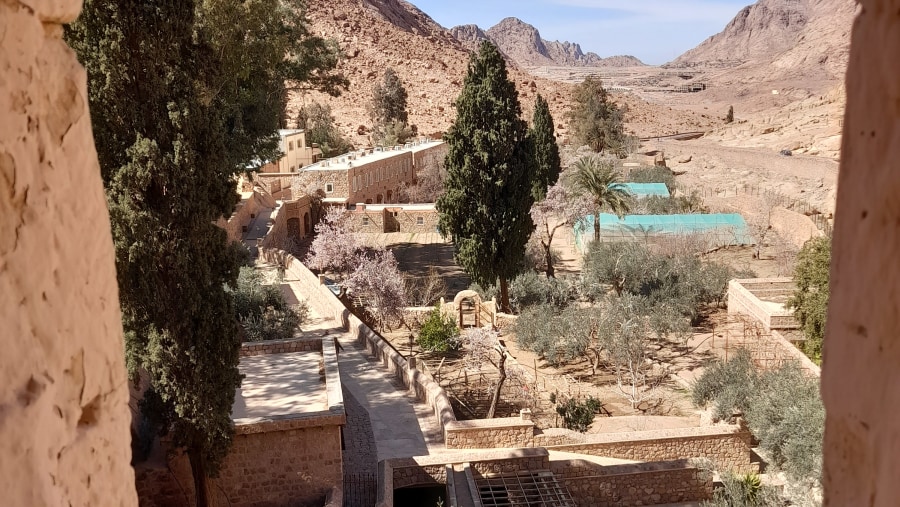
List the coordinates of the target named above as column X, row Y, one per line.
column 482, row 345
column 425, row 290
column 429, row 184
column 560, row 208
column 628, row 335
column 761, row 220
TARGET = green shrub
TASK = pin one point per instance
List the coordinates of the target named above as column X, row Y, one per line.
column 727, row 386
column 782, row 407
column 439, row 333
column 531, row 288
column 555, row 334
column 578, row 415
column 810, row 299
column 262, row 310
column 744, row 491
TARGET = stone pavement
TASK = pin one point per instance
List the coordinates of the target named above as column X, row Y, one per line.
column 383, row 421
column 401, row 427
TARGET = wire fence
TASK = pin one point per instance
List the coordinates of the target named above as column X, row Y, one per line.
column 801, row 206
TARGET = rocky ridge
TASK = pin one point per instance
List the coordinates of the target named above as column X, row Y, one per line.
column 522, row 43
column 432, row 63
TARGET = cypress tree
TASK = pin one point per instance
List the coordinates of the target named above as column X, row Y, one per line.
column 546, row 151
column 490, row 176
column 173, row 126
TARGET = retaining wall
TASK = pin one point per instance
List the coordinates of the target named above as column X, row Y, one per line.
column 727, row 446
column 292, row 460
column 595, row 485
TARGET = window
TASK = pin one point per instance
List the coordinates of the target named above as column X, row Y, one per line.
column 291, row 146
column 329, row 188
column 420, row 220
column 365, row 221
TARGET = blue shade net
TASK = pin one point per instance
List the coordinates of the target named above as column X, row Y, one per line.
column 720, row 229
column 647, row 189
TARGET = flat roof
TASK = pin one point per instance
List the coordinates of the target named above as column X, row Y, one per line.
column 280, row 385
column 289, row 132
column 404, row 207
column 343, row 162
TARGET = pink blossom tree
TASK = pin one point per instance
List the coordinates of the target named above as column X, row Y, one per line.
column 560, row 208
column 335, row 247
column 376, row 280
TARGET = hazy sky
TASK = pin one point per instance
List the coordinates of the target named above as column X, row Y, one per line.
column 656, row 31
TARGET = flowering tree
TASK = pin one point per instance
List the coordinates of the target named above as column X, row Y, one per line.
column 335, row 247
column 378, row 282
column 560, row 208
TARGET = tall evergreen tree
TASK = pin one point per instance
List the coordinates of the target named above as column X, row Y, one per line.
column 596, row 121
column 176, row 117
column 388, row 110
column 546, row 151
column 485, row 209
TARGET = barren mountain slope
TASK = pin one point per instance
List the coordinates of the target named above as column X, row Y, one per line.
column 758, row 31
column 377, row 34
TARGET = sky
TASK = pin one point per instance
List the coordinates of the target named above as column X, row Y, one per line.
column 656, row 31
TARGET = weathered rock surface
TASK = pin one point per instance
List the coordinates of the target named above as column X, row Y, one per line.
column 64, row 419
column 861, row 380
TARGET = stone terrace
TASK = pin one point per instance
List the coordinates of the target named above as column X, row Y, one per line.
column 279, row 385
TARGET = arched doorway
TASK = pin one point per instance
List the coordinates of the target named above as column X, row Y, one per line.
column 389, row 196
column 379, row 199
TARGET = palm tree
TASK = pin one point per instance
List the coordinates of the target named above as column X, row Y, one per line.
column 596, row 178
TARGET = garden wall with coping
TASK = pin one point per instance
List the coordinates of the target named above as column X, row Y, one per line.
column 725, row 445
column 595, row 485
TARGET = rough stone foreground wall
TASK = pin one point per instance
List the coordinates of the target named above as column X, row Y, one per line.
column 727, row 446
column 861, row 377
column 594, row 485
column 64, row 420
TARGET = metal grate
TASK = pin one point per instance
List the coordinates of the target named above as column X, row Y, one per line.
column 523, row 489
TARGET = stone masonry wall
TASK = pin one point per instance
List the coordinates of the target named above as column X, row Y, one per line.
column 593, row 485
column 505, row 432
column 250, row 349
column 727, row 446
column 64, row 420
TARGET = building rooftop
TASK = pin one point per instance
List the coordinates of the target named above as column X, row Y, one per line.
column 361, row 157
column 289, row 132
column 405, row 207
column 280, row 385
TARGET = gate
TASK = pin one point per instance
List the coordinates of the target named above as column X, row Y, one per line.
column 359, row 490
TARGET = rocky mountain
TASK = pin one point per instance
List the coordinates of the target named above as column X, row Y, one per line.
column 790, row 38
column 522, row 44
column 377, row 34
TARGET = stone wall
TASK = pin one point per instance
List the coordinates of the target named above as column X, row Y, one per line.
column 727, row 446
column 292, row 460
column 594, row 485
column 508, row 432
column 64, row 420
column 249, row 349
column 861, row 378
column 748, row 296
column 244, row 213
column 326, row 304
